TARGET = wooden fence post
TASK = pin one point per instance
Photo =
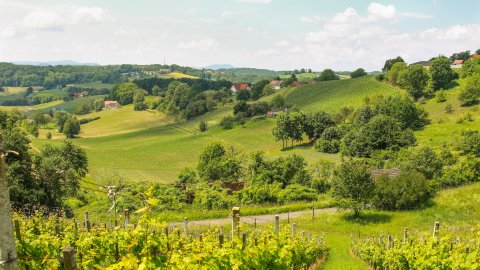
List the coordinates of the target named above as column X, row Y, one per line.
column 126, row 220
column 185, row 225
column 277, row 224
column 436, row 227
column 17, row 230
column 405, row 235
column 235, row 220
column 220, row 237
column 87, row 222
column 313, row 212
column 294, row 227
column 69, row 262
column 244, row 240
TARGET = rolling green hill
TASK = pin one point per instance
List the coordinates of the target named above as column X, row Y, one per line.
column 332, row 95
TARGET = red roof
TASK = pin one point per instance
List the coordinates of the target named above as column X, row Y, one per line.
column 275, row 82
column 241, row 86
column 475, row 56
column 109, row 102
column 458, row 62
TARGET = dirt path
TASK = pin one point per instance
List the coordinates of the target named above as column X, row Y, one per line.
column 259, row 218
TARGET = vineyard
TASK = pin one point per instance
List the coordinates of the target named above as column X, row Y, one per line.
column 54, row 242
column 443, row 250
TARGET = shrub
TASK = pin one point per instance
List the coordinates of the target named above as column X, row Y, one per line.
column 88, row 120
column 359, row 72
column 420, row 159
column 139, row 106
column 402, row 192
column 49, row 135
column 259, row 193
column 440, row 96
column 296, row 192
column 203, row 126
column 227, row 122
column 471, row 92
column 467, row 171
column 470, row 142
column 328, row 146
column 448, row 108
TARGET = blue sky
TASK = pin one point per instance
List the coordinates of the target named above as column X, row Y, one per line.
column 275, row 34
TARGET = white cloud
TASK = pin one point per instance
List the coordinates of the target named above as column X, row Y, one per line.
column 378, row 11
column 256, row 1
column 416, row 15
column 227, row 14
column 199, row 45
column 454, row 32
column 89, row 15
column 283, row 43
column 125, row 32
column 296, row 49
column 44, row 20
column 350, row 15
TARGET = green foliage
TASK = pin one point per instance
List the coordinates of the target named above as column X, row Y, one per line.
column 84, row 108
column 470, row 142
column 244, row 95
column 328, row 146
column 394, row 72
column 465, row 172
column 420, row 252
column 202, row 126
column 440, row 96
column 60, row 117
column 227, row 122
column 71, row 127
column 471, row 92
column 448, row 108
column 414, row 79
column 353, row 186
column 125, row 92
column 327, row 75
column 471, row 67
column 49, row 135
column 406, row 191
column 404, row 110
column 315, row 124
column 359, row 72
column 381, row 132
column 441, row 73
column 147, row 248
column 420, row 159
column 257, row 88
column 296, row 192
column 322, row 173
column 277, row 101
column 460, row 56
column 389, row 63
column 218, row 162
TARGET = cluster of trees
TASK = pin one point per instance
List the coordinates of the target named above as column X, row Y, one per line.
column 53, row 76
column 470, row 93
column 359, row 72
column 327, row 75
column 71, row 90
column 297, row 71
column 418, row 81
column 66, row 123
column 197, row 85
column 45, row 178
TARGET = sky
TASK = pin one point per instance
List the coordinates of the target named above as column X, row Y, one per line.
column 273, row 34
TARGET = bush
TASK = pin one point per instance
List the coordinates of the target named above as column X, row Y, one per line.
column 471, row 92
column 440, row 96
column 448, row 108
column 139, row 106
column 360, row 72
column 470, row 142
column 203, row 126
column 420, row 159
column 49, row 135
column 87, row 120
column 467, row 171
column 405, row 191
column 380, row 77
column 296, row 192
column 328, row 146
column 259, row 193
column 227, row 122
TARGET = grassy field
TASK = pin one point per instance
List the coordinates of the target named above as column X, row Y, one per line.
column 302, row 76
column 456, row 210
column 332, row 95
column 447, row 127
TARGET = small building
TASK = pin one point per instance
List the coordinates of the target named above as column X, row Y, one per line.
column 277, row 110
column 111, row 105
column 391, row 173
column 240, row 87
column 457, row 63
column 276, row 84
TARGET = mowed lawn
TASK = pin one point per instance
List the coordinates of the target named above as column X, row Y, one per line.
column 332, row 95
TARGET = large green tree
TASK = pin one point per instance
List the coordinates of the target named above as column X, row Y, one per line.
column 327, row 75
column 218, row 162
column 353, row 186
column 414, row 79
column 359, row 72
column 471, row 91
column 394, row 72
column 441, row 73
column 389, row 63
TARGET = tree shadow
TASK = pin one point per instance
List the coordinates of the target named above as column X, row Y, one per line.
column 452, row 84
column 368, row 218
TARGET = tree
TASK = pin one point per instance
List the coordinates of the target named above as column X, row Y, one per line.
column 420, row 159
column 243, row 95
column 471, row 92
column 227, row 122
column 470, row 143
column 414, row 79
column 389, row 63
column 277, row 101
column 39, row 118
column 441, row 73
column 98, row 105
column 404, row 110
column 327, row 75
column 460, row 56
column 280, row 131
column 60, row 117
column 353, row 186
column 71, row 127
column 477, row 51
column 125, row 92
column 440, row 96
column 257, row 88
column 2, row 89
column 471, row 67
column 295, row 128
column 202, row 126
column 359, row 72
column 315, row 124
column 218, row 162
column 394, row 72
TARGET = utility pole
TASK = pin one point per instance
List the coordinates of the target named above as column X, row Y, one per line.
column 8, row 254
